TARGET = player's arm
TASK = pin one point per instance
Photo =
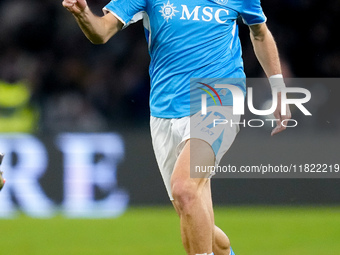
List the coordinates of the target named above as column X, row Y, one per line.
column 265, row 49
column 97, row 29
column 268, row 56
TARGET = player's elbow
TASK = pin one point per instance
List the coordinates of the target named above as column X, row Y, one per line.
column 97, row 39
column 102, row 38
column 109, row 27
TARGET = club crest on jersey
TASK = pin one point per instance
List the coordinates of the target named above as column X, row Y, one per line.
column 221, row 2
column 168, row 11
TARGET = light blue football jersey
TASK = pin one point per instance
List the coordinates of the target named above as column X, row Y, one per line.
column 188, row 39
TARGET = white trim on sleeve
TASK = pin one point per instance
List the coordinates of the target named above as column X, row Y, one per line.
column 105, row 10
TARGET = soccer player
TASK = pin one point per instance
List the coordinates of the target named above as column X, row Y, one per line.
column 189, row 39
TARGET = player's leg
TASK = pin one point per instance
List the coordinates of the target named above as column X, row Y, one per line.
column 221, row 243
column 169, row 136
column 191, row 197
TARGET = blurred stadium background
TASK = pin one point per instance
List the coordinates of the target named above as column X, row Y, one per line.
column 81, row 175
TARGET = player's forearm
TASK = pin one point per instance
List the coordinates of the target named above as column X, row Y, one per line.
column 95, row 28
column 266, row 50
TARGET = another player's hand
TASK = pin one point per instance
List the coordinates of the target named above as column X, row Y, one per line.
column 2, row 181
column 278, row 115
column 75, row 6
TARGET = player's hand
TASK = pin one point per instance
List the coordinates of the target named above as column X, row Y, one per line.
column 75, row 6
column 280, row 118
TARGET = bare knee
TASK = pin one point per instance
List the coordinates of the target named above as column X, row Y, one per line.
column 185, row 196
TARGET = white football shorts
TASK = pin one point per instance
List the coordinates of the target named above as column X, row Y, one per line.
column 218, row 128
